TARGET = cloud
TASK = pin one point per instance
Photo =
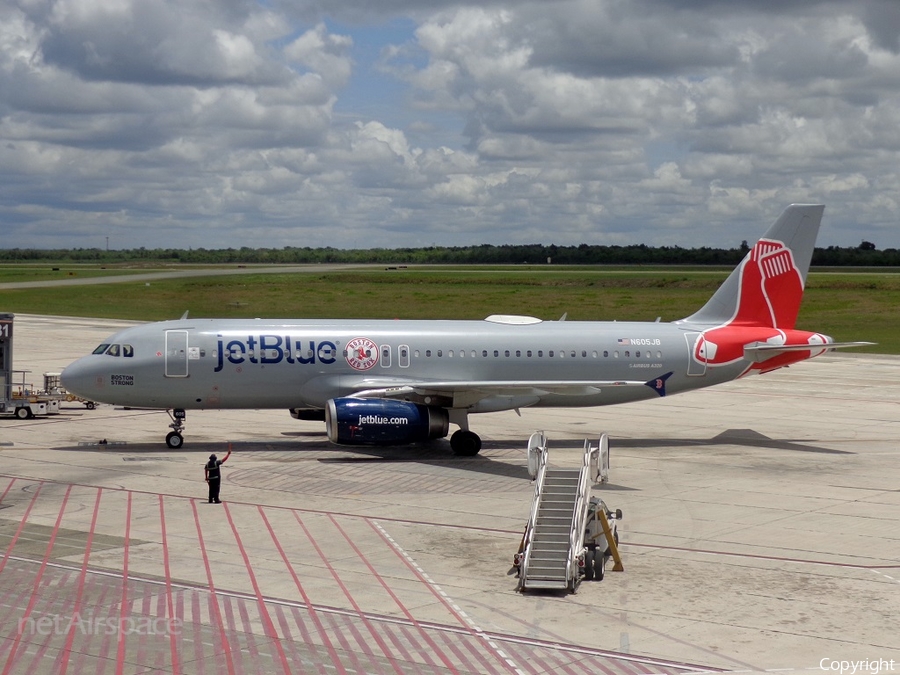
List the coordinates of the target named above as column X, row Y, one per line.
column 411, row 123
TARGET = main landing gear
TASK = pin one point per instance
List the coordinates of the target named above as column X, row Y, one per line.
column 174, row 439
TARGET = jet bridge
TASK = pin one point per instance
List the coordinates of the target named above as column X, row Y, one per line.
column 552, row 555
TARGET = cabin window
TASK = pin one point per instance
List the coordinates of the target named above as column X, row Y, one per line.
column 484, row 353
column 540, row 353
column 616, row 354
column 385, row 356
column 627, row 353
column 528, row 353
column 518, row 353
column 496, row 353
column 427, row 353
column 403, row 360
column 416, row 353
column 637, row 354
column 605, row 354
column 550, row 353
column 440, row 353
column 506, row 353
column 594, row 354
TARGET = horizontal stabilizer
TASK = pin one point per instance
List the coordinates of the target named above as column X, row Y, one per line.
column 763, row 352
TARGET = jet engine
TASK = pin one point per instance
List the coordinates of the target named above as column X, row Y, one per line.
column 370, row 421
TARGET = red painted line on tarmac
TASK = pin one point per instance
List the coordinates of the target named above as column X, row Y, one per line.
column 8, row 487
column 340, row 631
column 64, row 605
column 247, row 629
column 312, row 612
column 21, row 527
column 173, row 645
column 142, row 637
column 480, row 635
column 368, row 624
column 485, row 666
column 292, row 644
column 307, row 639
column 120, row 649
column 13, row 604
column 104, row 643
column 268, row 626
column 214, row 600
column 67, row 649
column 420, row 650
column 425, row 636
column 37, row 583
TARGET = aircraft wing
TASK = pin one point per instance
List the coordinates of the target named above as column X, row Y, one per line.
column 471, row 391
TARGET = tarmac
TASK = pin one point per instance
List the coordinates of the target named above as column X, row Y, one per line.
column 761, row 531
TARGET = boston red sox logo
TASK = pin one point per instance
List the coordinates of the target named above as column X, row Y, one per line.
column 361, row 353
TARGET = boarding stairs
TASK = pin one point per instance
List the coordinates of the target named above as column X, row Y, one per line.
column 553, row 545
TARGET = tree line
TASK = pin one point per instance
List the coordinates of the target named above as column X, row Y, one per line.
column 866, row 254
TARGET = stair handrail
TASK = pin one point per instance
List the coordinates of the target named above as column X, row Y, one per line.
column 537, row 465
column 579, row 513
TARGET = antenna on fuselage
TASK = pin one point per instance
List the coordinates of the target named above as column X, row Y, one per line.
column 563, row 317
column 184, row 316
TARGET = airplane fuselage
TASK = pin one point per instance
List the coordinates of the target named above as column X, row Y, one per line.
column 221, row 363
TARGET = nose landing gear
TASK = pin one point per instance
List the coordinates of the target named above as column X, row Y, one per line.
column 174, row 439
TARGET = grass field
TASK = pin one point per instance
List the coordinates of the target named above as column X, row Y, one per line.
column 847, row 306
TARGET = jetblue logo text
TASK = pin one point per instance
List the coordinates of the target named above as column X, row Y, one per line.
column 378, row 419
column 271, row 349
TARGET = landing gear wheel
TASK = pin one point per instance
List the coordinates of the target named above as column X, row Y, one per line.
column 599, row 564
column 465, row 443
column 589, row 565
column 23, row 413
column 174, row 439
column 90, row 405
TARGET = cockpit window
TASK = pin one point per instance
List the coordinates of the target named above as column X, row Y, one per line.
column 113, row 350
column 127, row 351
column 101, row 349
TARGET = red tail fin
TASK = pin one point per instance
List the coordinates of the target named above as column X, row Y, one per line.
column 771, row 287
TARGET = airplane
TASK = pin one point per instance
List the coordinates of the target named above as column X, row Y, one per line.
column 377, row 382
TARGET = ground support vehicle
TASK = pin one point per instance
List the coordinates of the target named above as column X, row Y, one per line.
column 17, row 397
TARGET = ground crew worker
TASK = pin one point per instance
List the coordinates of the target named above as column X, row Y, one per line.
column 214, row 476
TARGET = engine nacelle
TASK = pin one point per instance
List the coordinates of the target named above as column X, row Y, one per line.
column 376, row 421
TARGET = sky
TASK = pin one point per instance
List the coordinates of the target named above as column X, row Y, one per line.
column 410, row 123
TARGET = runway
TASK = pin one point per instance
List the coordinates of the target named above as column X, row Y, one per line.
column 761, row 532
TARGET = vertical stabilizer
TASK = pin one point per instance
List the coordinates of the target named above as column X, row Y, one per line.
column 766, row 288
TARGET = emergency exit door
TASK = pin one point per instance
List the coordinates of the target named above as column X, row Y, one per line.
column 176, row 353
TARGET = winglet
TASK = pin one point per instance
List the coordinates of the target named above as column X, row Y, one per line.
column 659, row 384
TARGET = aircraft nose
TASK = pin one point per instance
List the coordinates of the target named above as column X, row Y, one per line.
column 81, row 379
